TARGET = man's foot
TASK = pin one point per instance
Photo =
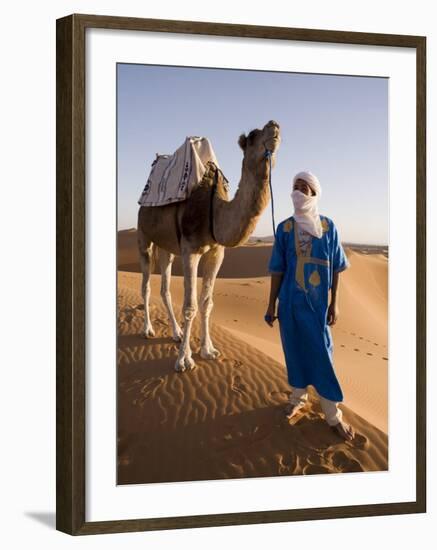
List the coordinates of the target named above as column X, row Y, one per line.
column 291, row 411
column 344, row 430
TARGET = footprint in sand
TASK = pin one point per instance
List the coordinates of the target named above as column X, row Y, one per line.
column 237, row 386
column 343, row 462
column 385, row 358
column 368, row 353
column 342, row 346
column 356, row 349
column 360, row 441
column 233, row 438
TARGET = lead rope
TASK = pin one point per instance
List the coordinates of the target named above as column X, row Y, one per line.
column 268, row 155
column 211, row 203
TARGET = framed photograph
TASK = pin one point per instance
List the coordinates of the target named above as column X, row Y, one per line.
column 241, row 274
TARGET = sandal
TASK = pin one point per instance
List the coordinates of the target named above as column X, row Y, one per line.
column 344, row 430
column 292, row 410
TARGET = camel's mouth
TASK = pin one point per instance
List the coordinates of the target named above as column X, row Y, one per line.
column 272, row 143
column 272, row 128
column 273, row 134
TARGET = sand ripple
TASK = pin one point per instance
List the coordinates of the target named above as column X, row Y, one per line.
column 224, row 419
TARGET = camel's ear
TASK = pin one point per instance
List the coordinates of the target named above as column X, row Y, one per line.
column 242, row 141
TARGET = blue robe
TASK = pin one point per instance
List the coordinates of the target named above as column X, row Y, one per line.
column 303, row 305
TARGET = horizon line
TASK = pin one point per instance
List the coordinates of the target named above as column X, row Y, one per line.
column 345, row 243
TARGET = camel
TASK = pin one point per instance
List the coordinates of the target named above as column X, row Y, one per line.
column 202, row 226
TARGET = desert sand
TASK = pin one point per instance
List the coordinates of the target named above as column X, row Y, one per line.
column 225, row 419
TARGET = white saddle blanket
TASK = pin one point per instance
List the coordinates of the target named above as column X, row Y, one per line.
column 173, row 177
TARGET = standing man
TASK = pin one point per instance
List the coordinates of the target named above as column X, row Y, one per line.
column 306, row 263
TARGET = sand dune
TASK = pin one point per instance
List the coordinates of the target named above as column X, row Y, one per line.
column 360, row 336
column 225, row 419
column 247, row 261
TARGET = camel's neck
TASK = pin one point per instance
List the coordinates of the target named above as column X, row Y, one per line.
column 235, row 220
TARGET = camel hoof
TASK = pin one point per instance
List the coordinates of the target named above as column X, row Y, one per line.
column 210, row 353
column 148, row 333
column 184, row 364
column 179, row 366
column 177, row 337
column 189, row 363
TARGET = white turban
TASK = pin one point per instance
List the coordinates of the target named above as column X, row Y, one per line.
column 306, row 210
column 311, row 180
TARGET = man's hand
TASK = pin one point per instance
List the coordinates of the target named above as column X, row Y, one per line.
column 270, row 317
column 333, row 313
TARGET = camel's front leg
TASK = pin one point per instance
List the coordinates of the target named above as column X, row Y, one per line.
column 166, row 261
column 190, row 263
column 213, row 260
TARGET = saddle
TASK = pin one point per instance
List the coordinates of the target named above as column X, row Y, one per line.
column 173, row 177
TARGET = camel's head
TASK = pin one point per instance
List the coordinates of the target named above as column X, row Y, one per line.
column 257, row 142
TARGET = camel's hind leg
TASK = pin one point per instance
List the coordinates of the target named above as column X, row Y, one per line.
column 212, row 262
column 145, row 248
column 166, row 261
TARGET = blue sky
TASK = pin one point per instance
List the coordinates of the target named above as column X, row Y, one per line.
column 334, row 126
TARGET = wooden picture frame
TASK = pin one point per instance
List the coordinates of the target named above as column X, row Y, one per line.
column 71, row 253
